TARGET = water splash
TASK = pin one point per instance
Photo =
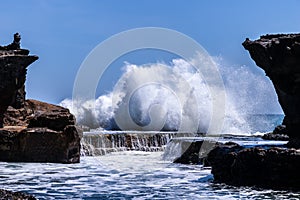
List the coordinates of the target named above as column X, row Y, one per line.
column 174, row 104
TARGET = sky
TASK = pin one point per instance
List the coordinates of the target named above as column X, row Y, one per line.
column 62, row 33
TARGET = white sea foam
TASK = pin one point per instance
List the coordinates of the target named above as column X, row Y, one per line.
column 176, row 95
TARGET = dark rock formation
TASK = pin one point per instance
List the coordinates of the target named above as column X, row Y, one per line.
column 5, row 194
column 188, row 151
column 33, row 131
column 39, row 132
column 13, row 68
column 268, row 167
column 279, row 133
column 279, row 56
column 274, row 167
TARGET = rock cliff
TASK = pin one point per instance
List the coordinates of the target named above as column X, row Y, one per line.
column 30, row 130
column 279, row 56
column 275, row 167
column 13, row 68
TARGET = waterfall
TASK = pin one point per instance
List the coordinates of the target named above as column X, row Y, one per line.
column 103, row 142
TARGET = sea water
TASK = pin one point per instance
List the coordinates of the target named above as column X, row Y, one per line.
column 130, row 175
column 125, row 175
column 145, row 175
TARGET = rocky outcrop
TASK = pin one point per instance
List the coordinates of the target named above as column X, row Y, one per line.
column 13, row 68
column 30, row 130
column 279, row 56
column 39, row 132
column 279, row 133
column 187, row 150
column 5, row 194
column 268, row 167
column 275, row 167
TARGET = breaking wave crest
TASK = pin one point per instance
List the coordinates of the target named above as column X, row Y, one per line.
column 180, row 99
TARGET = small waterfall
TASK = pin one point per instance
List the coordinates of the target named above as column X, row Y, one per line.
column 179, row 145
column 101, row 143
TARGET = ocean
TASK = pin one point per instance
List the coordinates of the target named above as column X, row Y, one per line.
column 136, row 174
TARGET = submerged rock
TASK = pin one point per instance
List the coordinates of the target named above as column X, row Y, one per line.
column 279, row 56
column 30, row 130
column 5, row 194
column 273, row 167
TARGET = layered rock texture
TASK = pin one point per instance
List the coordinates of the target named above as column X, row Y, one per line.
column 30, row 130
column 279, row 56
column 274, row 167
column 13, row 68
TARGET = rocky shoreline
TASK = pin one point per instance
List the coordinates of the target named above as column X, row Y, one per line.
column 34, row 131
column 264, row 166
column 275, row 167
column 279, row 56
column 30, row 130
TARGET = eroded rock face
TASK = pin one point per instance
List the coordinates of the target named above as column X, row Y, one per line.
column 279, row 56
column 33, row 131
column 39, row 132
column 274, row 167
column 13, row 68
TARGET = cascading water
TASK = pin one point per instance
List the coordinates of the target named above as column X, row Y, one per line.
column 95, row 143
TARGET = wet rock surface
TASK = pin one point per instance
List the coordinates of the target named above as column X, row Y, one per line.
column 279, row 56
column 279, row 133
column 274, row 167
column 30, row 130
column 5, row 194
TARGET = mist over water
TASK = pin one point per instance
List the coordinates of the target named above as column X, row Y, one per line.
column 175, row 96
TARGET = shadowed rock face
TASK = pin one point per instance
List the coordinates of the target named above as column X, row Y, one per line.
column 273, row 167
column 279, row 56
column 13, row 69
column 30, row 130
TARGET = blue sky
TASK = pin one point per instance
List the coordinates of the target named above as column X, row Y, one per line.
column 62, row 33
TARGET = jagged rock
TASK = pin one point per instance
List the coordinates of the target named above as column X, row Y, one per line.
column 279, row 133
column 48, row 115
column 221, row 159
column 33, row 131
column 5, row 194
column 39, row 132
column 190, row 153
column 274, row 167
column 273, row 136
column 279, row 56
column 13, row 68
column 21, row 144
column 188, row 150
